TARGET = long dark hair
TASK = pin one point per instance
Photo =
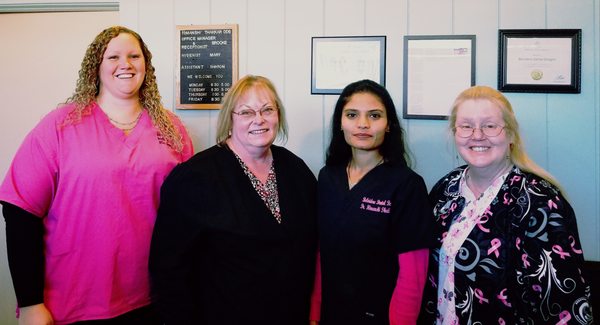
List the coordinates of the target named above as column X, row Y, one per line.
column 393, row 148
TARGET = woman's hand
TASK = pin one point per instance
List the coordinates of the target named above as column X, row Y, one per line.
column 35, row 315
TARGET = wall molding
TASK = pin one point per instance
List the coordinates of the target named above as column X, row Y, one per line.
column 59, row 7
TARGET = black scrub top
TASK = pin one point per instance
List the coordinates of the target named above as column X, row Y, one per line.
column 361, row 231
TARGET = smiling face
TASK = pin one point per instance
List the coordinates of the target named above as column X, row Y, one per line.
column 123, row 68
column 364, row 122
column 481, row 151
column 254, row 133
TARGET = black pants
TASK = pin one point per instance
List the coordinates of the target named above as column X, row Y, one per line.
column 141, row 316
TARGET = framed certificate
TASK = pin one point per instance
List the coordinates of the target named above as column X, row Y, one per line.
column 539, row 60
column 338, row 61
column 436, row 69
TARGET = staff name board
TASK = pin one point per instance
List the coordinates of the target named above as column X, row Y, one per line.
column 207, row 65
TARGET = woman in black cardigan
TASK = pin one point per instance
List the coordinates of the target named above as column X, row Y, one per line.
column 235, row 238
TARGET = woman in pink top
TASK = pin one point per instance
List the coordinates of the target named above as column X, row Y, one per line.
column 81, row 195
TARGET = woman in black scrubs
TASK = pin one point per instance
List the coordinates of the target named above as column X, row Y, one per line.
column 374, row 216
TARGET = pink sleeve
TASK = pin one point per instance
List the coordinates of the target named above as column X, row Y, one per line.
column 315, row 299
column 31, row 179
column 406, row 299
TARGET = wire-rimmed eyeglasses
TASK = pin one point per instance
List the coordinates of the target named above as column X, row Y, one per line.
column 251, row 114
column 489, row 130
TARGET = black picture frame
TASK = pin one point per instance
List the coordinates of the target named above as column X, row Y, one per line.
column 539, row 60
column 436, row 69
column 337, row 61
column 207, row 64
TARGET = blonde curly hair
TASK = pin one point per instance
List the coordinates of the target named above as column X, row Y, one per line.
column 88, row 87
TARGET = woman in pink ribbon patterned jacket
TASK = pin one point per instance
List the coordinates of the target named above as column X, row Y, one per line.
column 509, row 250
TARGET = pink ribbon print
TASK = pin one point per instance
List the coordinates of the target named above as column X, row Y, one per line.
column 481, row 221
column 502, row 296
column 575, row 250
column 524, row 259
column 564, row 317
column 558, row 250
column 444, row 216
column 495, row 244
column 515, row 178
column 479, row 295
column 507, row 201
column 453, row 206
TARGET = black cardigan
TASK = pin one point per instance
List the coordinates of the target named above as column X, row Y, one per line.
column 218, row 255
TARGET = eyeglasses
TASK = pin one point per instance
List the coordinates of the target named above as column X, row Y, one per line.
column 250, row 114
column 489, row 130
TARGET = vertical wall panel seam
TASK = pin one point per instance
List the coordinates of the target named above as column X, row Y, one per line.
column 247, row 36
column 547, row 111
column 210, row 112
column 498, row 7
column 323, row 137
column 596, row 32
column 137, row 15
column 284, row 52
column 546, row 14
column 453, row 17
column 407, row 122
column 547, row 105
column 173, row 102
column 364, row 17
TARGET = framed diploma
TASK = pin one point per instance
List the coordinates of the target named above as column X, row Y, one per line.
column 338, row 61
column 539, row 60
column 436, row 69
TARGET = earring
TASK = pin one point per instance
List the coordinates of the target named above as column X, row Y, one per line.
column 229, row 132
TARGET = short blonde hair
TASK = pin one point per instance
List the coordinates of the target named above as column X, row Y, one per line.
column 517, row 154
column 229, row 102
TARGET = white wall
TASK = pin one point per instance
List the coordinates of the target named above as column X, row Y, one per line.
column 40, row 57
column 561, row 131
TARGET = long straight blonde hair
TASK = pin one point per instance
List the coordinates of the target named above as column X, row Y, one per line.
column 517, row 154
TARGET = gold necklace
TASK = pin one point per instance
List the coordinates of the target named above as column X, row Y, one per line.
column 129, row 123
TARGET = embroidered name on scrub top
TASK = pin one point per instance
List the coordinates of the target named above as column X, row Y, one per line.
column 381, row 206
